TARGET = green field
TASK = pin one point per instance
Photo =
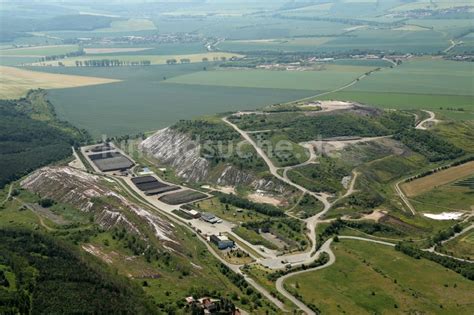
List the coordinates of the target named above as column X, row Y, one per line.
column 422, row 77
column 376, row 279
column 389, row 40
column 283, row 44
column 462, row 246
column 130, row 25
column 39, row 51
column 331, row 77
column 144, row 101
column 444, row 199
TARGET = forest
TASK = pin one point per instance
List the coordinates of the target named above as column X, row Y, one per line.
column 430, row 145
column 51, row 278
column 26, row 143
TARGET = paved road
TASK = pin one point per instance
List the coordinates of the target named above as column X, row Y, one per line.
column 325, row 248
column 432, row 250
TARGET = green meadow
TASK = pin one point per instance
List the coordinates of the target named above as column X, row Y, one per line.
column 375, row 279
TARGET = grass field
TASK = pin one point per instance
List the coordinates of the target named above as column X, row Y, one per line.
column 425, row 184
column 331, row 77
column 462, row 246
column 39, row 51
column 444, row 198
column 16, row 82
column 154, row 59
column 375, row 279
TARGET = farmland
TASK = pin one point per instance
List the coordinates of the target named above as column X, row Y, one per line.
column 328, row 78
column 444, row 198
column 424, row 184
column 39, row 51
column 16, row 82
column 422, row 77
column 129, row 25
column 370, row 278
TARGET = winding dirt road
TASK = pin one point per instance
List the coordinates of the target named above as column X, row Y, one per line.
column 432, row 118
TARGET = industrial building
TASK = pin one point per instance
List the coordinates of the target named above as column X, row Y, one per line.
column 222, row 241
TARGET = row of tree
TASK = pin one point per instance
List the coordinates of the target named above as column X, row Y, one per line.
column 76, row 53
column 466, row 269
column 111, row 63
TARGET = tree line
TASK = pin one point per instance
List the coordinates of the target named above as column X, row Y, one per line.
column 243, row 203
column 465, row 269
column 76, row 53
column 111, row 63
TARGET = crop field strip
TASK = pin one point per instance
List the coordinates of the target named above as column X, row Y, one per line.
column 469, row 183
column 424, row 184
column 16, row 82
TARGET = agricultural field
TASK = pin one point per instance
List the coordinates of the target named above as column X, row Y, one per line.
column 16, row 82
column 368, row 278
column 39, row 51
column 422, row 76
column 328, row 78
column 390, row 41
column 283, row 44
column 455, row 195
column 130, row 25
column 445, row 87
column 425, row 184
